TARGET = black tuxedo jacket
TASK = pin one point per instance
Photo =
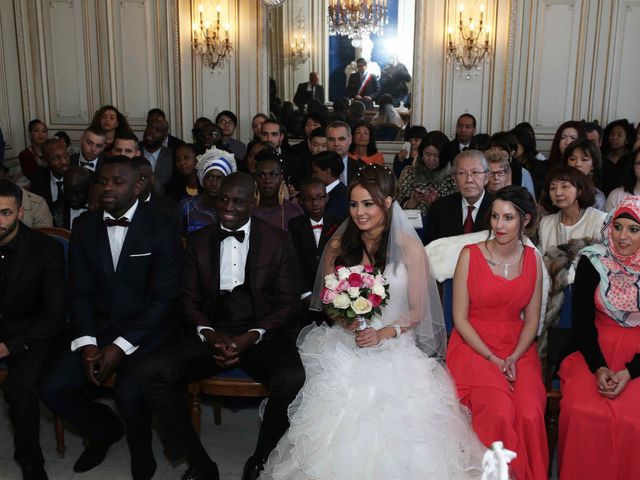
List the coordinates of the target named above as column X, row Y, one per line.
column 41, row 185
column 304, row 243
column 353, row 86
column 164, row 205
column 445, row 217
column 303, row 95
column 338, row 203
column 33, row 305
column 294, row 169
column 75, row 160
column 271, row 266
column 133, row 301
column 353, row 166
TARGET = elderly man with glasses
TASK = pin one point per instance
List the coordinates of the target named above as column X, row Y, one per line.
column 466, row 210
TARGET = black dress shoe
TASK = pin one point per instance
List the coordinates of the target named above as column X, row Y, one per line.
column 193, row 473
column 252, row 468
column 34, row 473
column 143, row 467
column 95, row 452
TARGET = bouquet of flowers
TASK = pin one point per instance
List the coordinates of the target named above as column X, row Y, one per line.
column 355, row 293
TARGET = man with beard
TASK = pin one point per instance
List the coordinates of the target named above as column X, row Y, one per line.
column 32, row 279
column 92, row 144
column 161, row 158
column 124, row 274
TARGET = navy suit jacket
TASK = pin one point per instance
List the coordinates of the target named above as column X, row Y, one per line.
column 75, row 160
column 41, row 185
column 445, row 217
column 134, row 300
column 337, row 204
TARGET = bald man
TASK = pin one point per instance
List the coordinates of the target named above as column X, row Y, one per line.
column 308, row 91
column 234, row 322
column 161, row 158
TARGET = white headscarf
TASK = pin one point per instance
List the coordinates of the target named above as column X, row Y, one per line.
column 214, row 159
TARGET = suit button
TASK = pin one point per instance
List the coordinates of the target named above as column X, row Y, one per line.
column 317, row 257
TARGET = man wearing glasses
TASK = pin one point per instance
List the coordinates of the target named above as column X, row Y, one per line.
column 464, row 211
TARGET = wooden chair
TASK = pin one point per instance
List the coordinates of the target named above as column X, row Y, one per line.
column 234, row 383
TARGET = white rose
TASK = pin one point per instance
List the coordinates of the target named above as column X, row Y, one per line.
column 341, row 301
column 361, row 306
column 379, row 289
column 354, row 292
column 331, row 282
column 357, row 269
column 343, row 273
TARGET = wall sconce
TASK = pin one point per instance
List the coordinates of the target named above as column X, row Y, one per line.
column 209, row 43
column 468, row 43
column 300, row 49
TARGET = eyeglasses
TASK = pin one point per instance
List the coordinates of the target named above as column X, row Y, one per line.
column 474, row 174
column 319, row 198
column 498, row 173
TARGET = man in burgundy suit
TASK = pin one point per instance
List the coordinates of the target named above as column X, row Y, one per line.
column 240, row 295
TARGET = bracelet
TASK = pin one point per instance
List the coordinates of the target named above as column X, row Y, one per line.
column 489, row 356
column 397, row 329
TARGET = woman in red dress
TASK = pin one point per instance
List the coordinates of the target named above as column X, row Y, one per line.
column 497, row 292
column 599, row 421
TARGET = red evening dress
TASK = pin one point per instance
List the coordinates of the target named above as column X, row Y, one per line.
column 499, row 412
column 598, row 437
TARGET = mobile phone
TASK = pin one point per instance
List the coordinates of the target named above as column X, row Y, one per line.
column 407, row 146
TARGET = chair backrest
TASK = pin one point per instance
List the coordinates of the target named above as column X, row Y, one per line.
column 63, row 236
column 387, row 132
column 447, row 304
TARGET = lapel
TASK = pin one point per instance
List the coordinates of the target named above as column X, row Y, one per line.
column 135, row 229
column 214, row 262
column 459, row 215
column 307, row 234
column 255, row 239
column 22, row 257
column 103, row 247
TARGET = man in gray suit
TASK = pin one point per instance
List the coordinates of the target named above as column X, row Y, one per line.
column 161, row 158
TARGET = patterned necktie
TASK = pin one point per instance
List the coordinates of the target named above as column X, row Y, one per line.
column 467, row 227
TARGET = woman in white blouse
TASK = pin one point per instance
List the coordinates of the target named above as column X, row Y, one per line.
column 569, row 195
column 630, row 183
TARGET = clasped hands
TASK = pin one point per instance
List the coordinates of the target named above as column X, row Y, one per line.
column 610, row 384
column 99, row 364
column 226, row 349
column 507, row 366
column 364, row 338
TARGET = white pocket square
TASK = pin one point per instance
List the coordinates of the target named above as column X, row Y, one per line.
column 140, row 254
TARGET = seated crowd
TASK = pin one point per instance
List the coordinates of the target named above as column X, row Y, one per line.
column 190, row 258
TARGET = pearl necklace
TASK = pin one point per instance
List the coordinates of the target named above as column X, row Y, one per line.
column 505, row 266
column 560, row 233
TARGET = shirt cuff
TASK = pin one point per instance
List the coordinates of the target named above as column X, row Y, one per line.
column 200, row 334
column 305, row 295
column 125, row 346
column 261, row 332
column 80, row 342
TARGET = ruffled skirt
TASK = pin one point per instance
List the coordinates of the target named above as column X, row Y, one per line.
column 387, row 412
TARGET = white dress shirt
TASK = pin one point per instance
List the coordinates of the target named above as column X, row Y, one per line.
column 152, row 157
column 86, row 165
column 316, row 231
column 233, row 260
column 343, row 175
column 332, row 185
column 116, row 240
column 474, row 213
column 75, row 213
column 53, row 181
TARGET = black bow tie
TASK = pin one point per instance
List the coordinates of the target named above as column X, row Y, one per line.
column 121, row 222
column 237, row 234
column 86, row 164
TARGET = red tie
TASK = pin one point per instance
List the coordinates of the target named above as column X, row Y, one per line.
column 467, row 227
column 316, row 226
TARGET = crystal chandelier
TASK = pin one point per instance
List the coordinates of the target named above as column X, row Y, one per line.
column 357, row 19
column 468, row 43
column 208, row 41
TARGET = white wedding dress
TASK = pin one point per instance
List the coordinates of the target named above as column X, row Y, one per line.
column 381, row 413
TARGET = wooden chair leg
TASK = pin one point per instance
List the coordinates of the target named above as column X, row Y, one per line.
column 217, row 412
column 59, row 430
column 193, row 404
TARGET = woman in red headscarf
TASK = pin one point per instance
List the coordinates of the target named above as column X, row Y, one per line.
column 599, row 420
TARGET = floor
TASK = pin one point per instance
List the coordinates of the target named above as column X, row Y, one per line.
column 229, row 444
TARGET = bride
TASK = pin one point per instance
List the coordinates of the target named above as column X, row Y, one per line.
column 378, row 404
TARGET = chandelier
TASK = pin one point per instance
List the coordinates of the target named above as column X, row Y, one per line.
column 208, row 41
column 357, row 19
column 468, row 43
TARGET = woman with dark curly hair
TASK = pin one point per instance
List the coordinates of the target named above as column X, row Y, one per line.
column 112, row 122
column 363, row 146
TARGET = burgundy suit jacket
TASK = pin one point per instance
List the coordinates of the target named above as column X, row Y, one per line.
column 272, row 273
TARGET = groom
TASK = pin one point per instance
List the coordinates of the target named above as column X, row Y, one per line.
column 240, row 296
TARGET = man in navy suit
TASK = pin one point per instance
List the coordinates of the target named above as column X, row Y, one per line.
column 327, row 167
column 48, row 182
column 124, row 273
column 32, row 293
column 466, row 210
column 240, row 296
column 92, row 144
column 338, row 140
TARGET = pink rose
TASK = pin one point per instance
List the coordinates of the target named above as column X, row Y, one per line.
column 342, row 286
column 368, row 268
column 375, row 300
column 368, row 280
column 327, row 296
column 355, row 280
